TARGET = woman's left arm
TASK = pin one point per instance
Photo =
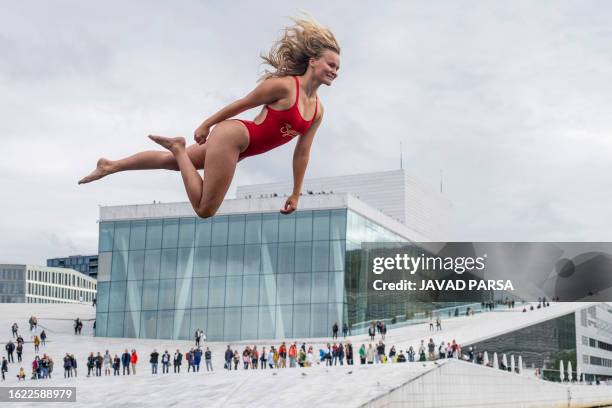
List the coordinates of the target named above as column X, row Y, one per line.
column 301, row 154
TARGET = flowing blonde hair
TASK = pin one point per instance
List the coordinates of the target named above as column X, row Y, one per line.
column 303, row 40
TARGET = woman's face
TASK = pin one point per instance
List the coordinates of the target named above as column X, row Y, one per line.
column 325, row 68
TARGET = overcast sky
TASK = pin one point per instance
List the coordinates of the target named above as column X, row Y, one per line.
column 511, row 100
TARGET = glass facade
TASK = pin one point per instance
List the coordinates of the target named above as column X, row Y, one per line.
column 246, row 276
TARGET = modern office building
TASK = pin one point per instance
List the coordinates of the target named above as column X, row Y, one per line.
column 250, row 272
column 87, row 264
column 43, row 284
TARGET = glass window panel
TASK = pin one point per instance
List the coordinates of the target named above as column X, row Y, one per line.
column 336, row 286
column 252, row 259
column 115, row 324
column 269, row 231
column 233, row 291
column 303, row 226
column 152, row 263
column 168, row 263
column 236, row 229
column 303, row 256
column 320, row 289
column 116, row 300
column 199, row 292
column 136, row 265
column 119, row 268
column 320, row 256
column 170, row 233
column 268, row 258
column 106, row 236
column 338, row 224
column 250, row 290
column 267, row 290
column 203, row 232
column 284, row 322
column 154, row 234
column 218, row 261
column 320, row 225
column 104, row 266
column 219, row 230
column 284, row 289
column 216, row 292
column 148, row 324
column 235, row 261
column 183, row 294
column 231, row 330
column 134, row 295
column 201, row 267
column 101, row 321
column 249, row 323
column 267, row 316
column 286, row 257
column 301, row 321
column 165, row 324
column 186, row 232
column 318, row 321
column 252, row 233
column 101, row 297
column 181, row 325
column 150, row 290
column 302, row 287
column 198, row 321
column 215, row 324
column 166, row 293
column 131, row 324
column 336, row 255
column 138, row 235
column 286, row 228
column 185, row 263
column 121, row 240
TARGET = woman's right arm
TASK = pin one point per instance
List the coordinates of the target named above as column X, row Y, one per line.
column 268, row 92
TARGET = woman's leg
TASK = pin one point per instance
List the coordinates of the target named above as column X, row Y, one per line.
column 224, row 146
column 149, row 160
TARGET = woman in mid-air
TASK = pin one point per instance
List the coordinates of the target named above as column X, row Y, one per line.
column 306, row 56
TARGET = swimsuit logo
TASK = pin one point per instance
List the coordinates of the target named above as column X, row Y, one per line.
column 286, row 131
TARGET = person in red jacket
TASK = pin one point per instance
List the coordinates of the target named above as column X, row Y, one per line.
column 282, row 356
column 292, row 355
column 134, row 361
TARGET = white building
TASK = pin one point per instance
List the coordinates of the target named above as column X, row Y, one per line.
column 44, row 284
column 395, row 193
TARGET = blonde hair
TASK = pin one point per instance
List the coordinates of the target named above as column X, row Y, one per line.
column 303, row 40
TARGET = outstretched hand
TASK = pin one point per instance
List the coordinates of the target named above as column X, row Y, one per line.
column 290, row 205
column 201, row 133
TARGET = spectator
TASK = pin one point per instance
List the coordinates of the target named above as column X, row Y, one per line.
column 165, row 362
column 178, row 360
column 154, row 360
column 125, row 362
column 134, row 361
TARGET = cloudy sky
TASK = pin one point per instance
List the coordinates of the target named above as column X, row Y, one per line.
column 510, row 100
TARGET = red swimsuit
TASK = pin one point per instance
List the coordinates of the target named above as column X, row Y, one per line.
column 278, row 128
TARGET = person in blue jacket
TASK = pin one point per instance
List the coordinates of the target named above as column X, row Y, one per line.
column 197, row 358
column 125, row 362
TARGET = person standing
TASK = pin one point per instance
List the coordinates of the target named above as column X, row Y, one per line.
column 43, row 338
column 228, row 358
column 349, row 353
column 36, row 344
column 134, row 361
column 108, row 362
column 73, row 363
column 116, row 365
column 189, row 358
column 4, row 368
column 335, row 331
column 208, row 358
column 178, row 360
column 90, row 364
column 67, row 366
column 371, row 332
column 19, row 350
column 362, row 354
column 370, row 354
column 10, row 348
column 14, row 329
column 263, row 359
column 165, row 362
column 292, row 355
column 99, row 361
column 197, row 359
column 154, row 360
column 125, row 362
column 345, row 329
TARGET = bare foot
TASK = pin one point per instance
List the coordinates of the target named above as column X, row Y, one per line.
column 171, row 143
column 103, row 168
